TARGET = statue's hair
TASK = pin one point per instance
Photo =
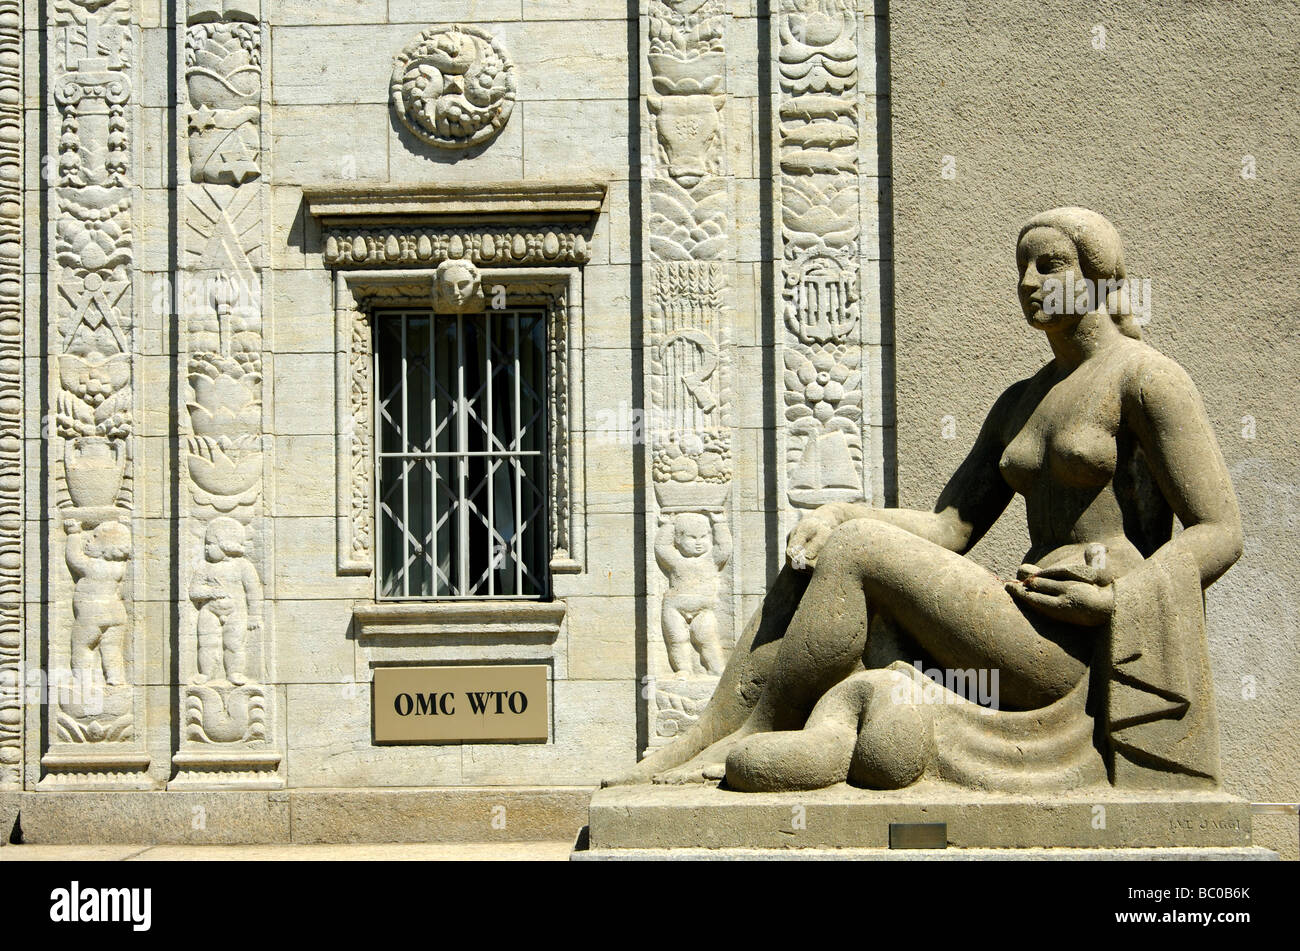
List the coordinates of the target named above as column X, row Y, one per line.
column 1101, row 254
column 682, row 517
column 452, row 264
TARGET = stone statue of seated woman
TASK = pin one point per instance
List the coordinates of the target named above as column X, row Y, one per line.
column 1098, row 647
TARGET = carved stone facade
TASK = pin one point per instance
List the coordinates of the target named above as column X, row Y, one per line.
column 210, row 209
column 221, row 234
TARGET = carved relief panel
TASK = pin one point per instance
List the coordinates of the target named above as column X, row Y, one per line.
column 453, row 87
column 689, row 284
column 818, row 131
column 93, row 638
column 11, row 392
column 225, row 641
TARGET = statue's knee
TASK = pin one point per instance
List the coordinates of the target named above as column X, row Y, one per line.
column 860, row 543
column 846, row 545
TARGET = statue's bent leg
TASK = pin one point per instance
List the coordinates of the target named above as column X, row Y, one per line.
column 747, row 670
column 860, row 732
column 958, row 611
column 677, row 640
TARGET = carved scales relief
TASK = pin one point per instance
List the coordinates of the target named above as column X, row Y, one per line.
column 11, row 392
column 689, row 284
column 225, row 705
column 96, row 710
column 818, row 123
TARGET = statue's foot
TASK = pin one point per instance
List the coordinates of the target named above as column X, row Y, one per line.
column 634, row 777
column 692, row 772
column 709, row 766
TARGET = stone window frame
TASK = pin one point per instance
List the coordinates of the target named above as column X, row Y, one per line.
column 357, row 295
column 383, row 244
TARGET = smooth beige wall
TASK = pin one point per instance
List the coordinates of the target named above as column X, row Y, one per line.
column 1152, row 131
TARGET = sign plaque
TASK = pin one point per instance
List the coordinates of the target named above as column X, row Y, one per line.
column 455, row 704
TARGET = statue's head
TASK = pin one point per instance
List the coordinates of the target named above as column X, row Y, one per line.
column 1065, row 257
column 223, row 539
column 459, row 289
column 111, row 541
column 692, row 535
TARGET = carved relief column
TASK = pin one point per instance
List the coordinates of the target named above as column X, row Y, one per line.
column 225, row 698
column 96, row 710
column 689, row 279
column 11, row 391
column 822, row 406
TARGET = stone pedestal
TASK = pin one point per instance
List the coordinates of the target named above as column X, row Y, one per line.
column 704, row 821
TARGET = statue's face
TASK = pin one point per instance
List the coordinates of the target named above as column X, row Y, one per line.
column 460, row 286
column 1050, row 277
column 693, row 538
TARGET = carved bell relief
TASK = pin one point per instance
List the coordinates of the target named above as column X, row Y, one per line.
column 453, row 87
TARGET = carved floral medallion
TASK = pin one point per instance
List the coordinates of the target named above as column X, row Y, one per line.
column 454, row 87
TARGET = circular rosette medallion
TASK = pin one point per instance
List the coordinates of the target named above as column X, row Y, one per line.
column 454, row 87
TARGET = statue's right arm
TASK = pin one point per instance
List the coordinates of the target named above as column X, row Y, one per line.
column 75, row 554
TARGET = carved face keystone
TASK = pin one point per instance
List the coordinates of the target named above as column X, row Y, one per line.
column 459, row 288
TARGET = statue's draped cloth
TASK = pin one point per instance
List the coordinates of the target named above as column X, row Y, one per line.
column 1160, row 699
column 1149, row 688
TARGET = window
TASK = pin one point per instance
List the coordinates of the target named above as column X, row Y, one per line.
column 461, row 454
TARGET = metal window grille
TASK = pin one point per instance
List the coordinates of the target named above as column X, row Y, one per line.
column 461, row 457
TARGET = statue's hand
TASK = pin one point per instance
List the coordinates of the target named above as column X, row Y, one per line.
column 1075, row 594
column 806, row 541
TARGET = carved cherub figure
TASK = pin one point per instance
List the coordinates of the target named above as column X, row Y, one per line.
column 228, row 594
column 98, row 561
column 691, row 549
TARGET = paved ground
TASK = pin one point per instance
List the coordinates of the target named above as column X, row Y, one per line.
column 399, row 852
